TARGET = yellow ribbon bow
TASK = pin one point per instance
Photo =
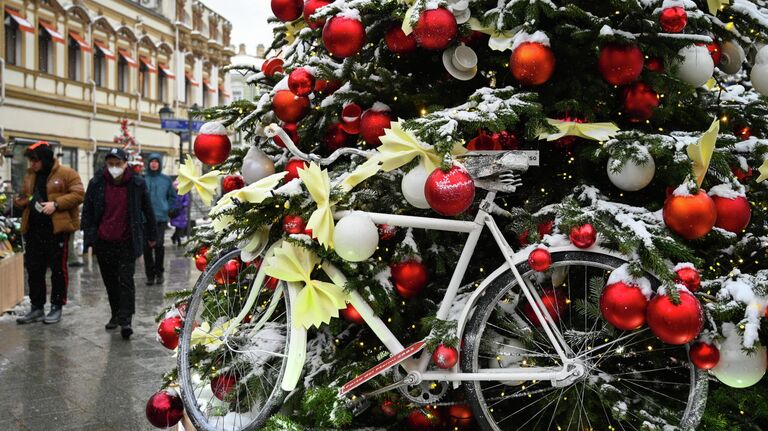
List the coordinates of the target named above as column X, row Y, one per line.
column 254, row 193
column 763, row 169
column 318, row 301
column 594, row 131
column 701, row 152
column 499, row 41
column 716, row 5
column 318, row 184
column 368, row 169
column 210, row 337
column 189, row 177
column 400, row 146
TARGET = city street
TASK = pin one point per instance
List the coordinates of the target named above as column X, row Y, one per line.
column 75, row 375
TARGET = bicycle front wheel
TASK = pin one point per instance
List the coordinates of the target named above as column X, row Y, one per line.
column 633, row 381
column 230, row 369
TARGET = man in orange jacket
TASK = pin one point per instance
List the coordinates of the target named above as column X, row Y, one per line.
column 50, row 197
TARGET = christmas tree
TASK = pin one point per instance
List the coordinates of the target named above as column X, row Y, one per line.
column 516, row 214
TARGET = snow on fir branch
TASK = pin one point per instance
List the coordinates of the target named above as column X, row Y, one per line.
column 747, row 292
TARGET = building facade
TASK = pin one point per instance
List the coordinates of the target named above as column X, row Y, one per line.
column 69, row 71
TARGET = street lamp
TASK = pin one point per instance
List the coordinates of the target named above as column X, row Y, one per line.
column 166, row 113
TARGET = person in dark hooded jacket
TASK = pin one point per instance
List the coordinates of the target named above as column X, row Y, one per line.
column 117, row 222
column 50, row 197
column 163, row 197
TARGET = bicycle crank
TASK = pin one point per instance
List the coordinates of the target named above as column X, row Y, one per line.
column 422, row 392
column 359, row 404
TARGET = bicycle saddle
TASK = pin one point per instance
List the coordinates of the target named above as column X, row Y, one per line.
column 496, row 170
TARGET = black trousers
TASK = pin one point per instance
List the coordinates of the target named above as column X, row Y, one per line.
column 155, row 256
column 117, row 266
column 43, row 251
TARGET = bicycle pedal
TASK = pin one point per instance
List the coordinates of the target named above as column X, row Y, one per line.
column 358, row 406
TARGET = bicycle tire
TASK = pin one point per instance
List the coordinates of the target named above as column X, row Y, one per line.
column 470, row 360
column 191, row 402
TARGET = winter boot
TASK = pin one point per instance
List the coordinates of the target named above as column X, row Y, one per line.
column 54, row 316
column 126, row 331
column 112, row 324
column 34, row 315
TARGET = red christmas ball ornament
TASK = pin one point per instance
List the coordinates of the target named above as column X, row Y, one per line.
column 715, row 50
column 343, row 37
column 336, row 137
column 292, row 167
column 619, row 63
column 272, row 66
column 554, row 301
column 436, row 29
column 451, row 192
column 202, row 251
column 410, row 277
column 201, row 262
column 688, row 277
column 703, row 355
column 424, row 419
column 229, row 272
column 293, row 224
column 690, row 216
column 222, row 385
column 350, row 314
column 287, row 10
column 398, row 42
column 289, row 107
column 675, row 324
column 741, row 175
column 292, row 130
column 372, row 125
column 546, row 227
column 484, row 142
column 623, row 306
column 325, row 86
column 445, row 357
column 164, row 409
column 583, row 236
column 654, row 64
column 231, row 183
column 301, row 82
column 310, row 7
column 639, row 101
column 389, row 408
column 459, row 417
column 508, row 140
column 742, row 132
column 733, row 214
column 532, row 63
column 271, row 283
column 387, row 232
column 540, row 260
column 673, row 19
column 212, row 149
column 168, row 332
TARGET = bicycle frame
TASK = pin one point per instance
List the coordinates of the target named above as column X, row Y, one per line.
column 474, row 229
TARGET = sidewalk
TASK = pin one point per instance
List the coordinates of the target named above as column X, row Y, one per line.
column 75, row 375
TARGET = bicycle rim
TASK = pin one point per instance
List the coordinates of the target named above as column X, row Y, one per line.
column 633, row 380
column 232, row 382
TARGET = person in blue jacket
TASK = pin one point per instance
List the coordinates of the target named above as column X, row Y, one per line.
column 163, row 197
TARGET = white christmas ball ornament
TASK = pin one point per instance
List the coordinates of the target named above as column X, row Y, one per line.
column 697, row 65
column 413, row 187
column 759, row 78
column 731, row 57
column 256, row 165
column 510, row 355
column 355, row 237
column 736, row 368
column 632, row 176
column 762, row 55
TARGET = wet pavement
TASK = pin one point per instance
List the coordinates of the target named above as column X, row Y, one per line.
column 75, row 375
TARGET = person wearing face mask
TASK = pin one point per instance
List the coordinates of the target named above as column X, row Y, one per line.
column 118, row 221
column 51, row 195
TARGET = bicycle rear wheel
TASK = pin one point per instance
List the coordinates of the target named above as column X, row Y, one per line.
column 633, row 381
column 230, row 372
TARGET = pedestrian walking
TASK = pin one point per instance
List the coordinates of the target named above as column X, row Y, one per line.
column 50, row 198
column 163, row 198
column 118, row 222
column 179, row 216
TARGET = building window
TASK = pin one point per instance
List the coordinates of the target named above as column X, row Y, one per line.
column 68, row 157
column 73, row 54
column 143, row 80
column 122, row 74
column 99, row 67
column 12, row 40
column 162, row 84
column 188, row 91
column 44, row 50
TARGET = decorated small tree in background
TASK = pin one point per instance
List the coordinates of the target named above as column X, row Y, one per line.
column 649, row 122
column 128, row 143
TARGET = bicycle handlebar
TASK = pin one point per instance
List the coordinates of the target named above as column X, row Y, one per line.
column 273, row 130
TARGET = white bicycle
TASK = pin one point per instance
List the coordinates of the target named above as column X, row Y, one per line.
column 536, row 354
